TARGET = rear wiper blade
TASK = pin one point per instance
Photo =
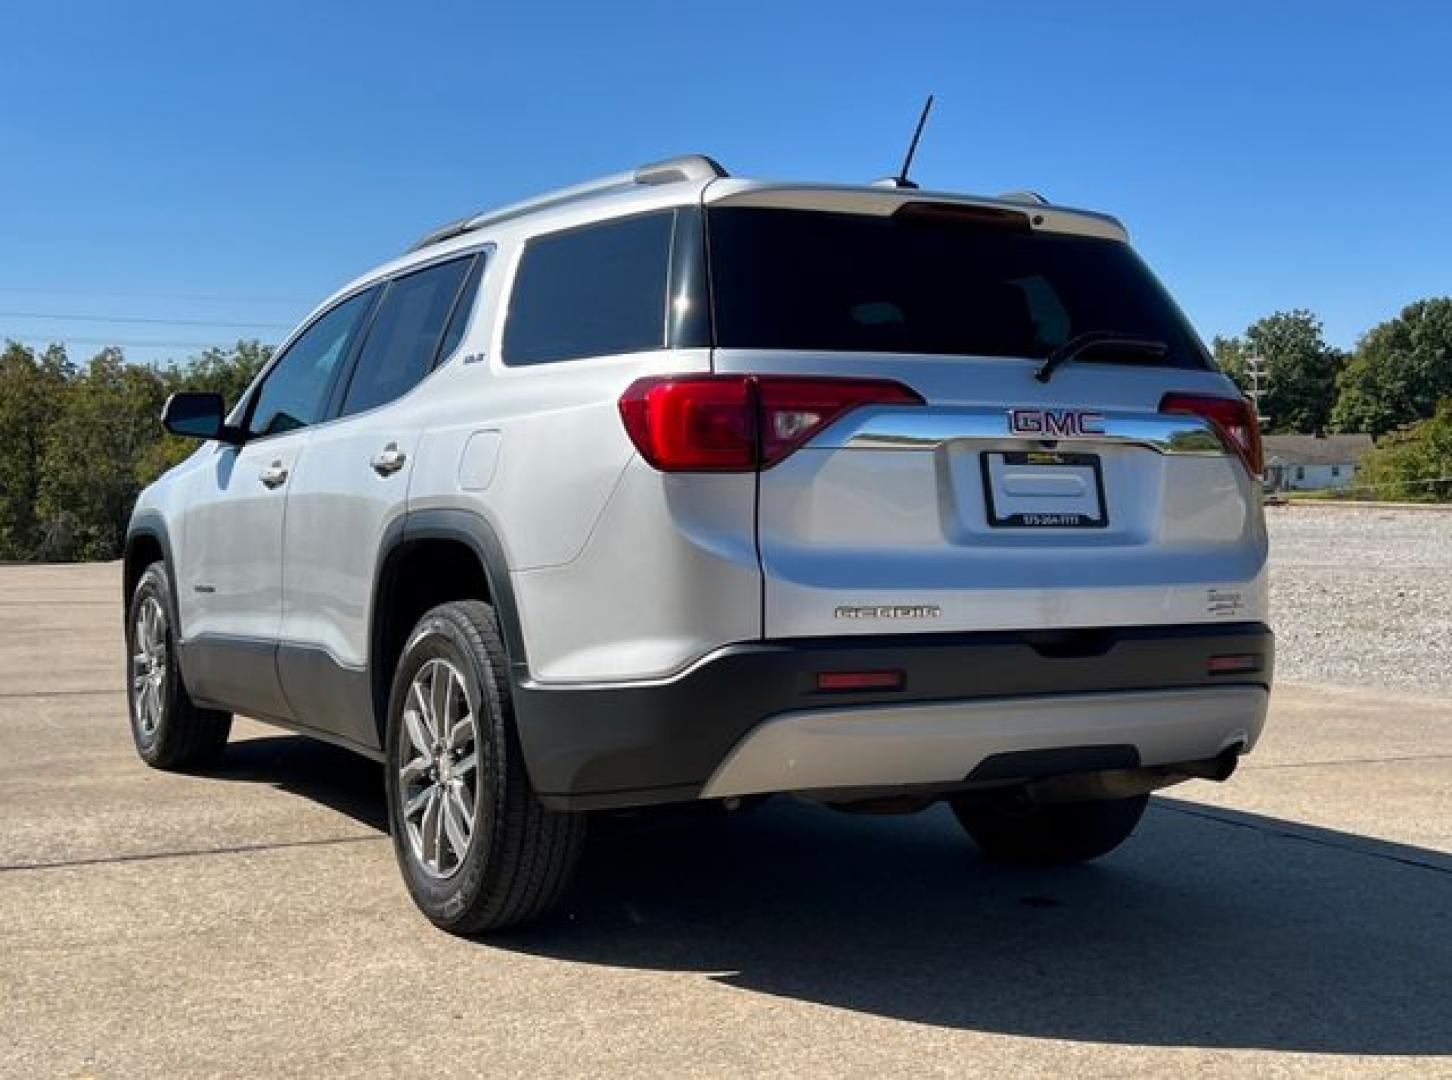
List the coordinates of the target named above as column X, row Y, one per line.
column 1095, row 339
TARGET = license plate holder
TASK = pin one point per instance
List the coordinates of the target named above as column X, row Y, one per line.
column 1044, row 489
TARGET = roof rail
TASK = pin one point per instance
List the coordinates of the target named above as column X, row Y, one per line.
column 685, row 167
column 669, row 171
column 1023, row 195
column 444, row 232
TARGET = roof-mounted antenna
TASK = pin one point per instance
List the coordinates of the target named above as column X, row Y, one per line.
column 901, row 179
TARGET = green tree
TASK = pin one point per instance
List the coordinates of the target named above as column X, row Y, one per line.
column 1414, row 464
column 1400, row 371
column 1300, row 370
column 77, row 446
column 31, row 388
column 219, row 371
column 89, row 470
column 1231, row 355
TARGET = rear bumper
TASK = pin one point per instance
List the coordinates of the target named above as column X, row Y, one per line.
column 748, row 718
column 869, row 747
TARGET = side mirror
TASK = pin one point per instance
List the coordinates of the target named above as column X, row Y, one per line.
column 198, row 416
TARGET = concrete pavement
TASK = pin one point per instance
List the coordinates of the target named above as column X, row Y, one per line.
column 1297, row 920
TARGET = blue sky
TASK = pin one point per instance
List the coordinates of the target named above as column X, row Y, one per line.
column 219, row 168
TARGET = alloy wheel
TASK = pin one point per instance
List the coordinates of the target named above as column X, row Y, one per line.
column 148, row 666
column 438, row 778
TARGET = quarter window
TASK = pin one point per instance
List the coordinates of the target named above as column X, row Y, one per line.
column 593, row 291
column 295, row 392
column 405, row 336
column 459, row 320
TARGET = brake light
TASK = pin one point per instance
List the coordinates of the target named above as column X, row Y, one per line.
column 739, row 423
column 1233, row 418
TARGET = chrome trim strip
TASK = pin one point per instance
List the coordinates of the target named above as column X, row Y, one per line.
column 926, row 429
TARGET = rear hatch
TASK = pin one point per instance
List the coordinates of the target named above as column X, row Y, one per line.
column 1117, row 491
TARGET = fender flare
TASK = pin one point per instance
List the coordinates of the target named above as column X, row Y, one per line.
column 473, row 531
column 151, row 524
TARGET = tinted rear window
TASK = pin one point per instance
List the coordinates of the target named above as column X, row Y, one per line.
column 592, row 291
column 794, row 279
column 404, row 338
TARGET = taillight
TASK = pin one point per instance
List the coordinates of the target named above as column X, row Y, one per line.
column 701, row 424
column 1233, row 418
column 738, row 423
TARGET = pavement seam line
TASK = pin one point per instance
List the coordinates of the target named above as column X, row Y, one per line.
column 22, row 694
column 1289, row 834
column 151, row 856
column 1347, row 761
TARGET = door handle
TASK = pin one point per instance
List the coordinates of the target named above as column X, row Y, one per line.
column 274, row 475
column 388, row 460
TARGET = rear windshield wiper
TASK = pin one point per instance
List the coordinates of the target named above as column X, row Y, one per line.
column 1095, row 339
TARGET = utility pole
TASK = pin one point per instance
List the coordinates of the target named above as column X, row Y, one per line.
column 1255, row 368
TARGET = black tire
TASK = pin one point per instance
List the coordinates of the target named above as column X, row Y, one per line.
column 519, row 856
column 1032, row 835
column 170, row 731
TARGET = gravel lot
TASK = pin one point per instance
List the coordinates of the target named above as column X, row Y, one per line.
column 1362, row 596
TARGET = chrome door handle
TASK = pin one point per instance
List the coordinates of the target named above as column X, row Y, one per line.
column 274, row 475
column 388, row 460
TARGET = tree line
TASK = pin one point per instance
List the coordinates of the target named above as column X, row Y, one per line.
column 78, row 442
column 1395, row 385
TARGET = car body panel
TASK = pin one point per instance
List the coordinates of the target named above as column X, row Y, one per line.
column 616, row 580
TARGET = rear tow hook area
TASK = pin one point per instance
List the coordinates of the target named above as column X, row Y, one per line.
column 1126, row 783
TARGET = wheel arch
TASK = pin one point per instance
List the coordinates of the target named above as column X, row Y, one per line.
column 429, row 557
column 148, row 541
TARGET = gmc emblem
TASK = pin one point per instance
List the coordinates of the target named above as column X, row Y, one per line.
column 1055, row 423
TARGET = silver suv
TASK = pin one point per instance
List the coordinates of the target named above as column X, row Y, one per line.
column 675, row 486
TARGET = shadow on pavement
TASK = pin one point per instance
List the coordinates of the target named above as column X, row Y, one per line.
column 337, row 778
column 1199, row 932
column 1210, row 928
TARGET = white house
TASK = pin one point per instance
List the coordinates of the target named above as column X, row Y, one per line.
column 1312, row 462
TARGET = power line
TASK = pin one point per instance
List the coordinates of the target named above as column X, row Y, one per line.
column 141, row 319
column 134, row 343
column 215, row 298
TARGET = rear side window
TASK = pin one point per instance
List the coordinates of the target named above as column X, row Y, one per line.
column 935, row 283
column 295, row 392
column 592, row 291
column 405, row 335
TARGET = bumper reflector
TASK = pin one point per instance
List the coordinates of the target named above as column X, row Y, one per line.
column 1236, row 664
column 860, row 680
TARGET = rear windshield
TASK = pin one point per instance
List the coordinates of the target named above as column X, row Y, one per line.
column 930, row 283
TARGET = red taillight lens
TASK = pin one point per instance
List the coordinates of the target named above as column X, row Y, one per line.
column 692, row 423
column 794, row 409
column 737, row 423
column 861, row 680
column 1232, row 664
column 1233, row 418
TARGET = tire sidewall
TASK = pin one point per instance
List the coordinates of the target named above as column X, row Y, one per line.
column 440, row 635
column 153, row 585
column 1052, row 834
